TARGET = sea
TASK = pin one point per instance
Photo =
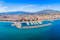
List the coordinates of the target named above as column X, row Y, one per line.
column 51, row 32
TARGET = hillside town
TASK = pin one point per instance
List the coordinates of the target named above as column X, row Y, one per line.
column 21, row 18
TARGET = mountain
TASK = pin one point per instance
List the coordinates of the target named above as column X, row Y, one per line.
column 48, row 12
column 15, row 13
column 29, row 13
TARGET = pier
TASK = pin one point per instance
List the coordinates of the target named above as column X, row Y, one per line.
column 38, row 26
column 19, row 24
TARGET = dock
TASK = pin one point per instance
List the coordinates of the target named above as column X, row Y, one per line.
column 19, row 24
column 38, row 26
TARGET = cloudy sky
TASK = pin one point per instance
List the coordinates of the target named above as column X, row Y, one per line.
column 28, row 5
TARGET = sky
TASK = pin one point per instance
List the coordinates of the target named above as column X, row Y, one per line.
column 28, row 5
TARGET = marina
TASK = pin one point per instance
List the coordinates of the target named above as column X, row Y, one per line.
column 26, row 32
column 29, row 24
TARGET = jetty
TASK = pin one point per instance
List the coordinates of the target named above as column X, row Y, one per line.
column 37, row 24
column 19, row 24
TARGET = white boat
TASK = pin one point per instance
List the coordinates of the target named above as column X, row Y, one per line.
column 27, row 23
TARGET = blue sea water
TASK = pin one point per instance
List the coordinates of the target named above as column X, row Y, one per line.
column 8, row 32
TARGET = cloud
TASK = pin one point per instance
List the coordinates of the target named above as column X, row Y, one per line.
column 2, row 7
column 33, row 7
column 26, row 7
